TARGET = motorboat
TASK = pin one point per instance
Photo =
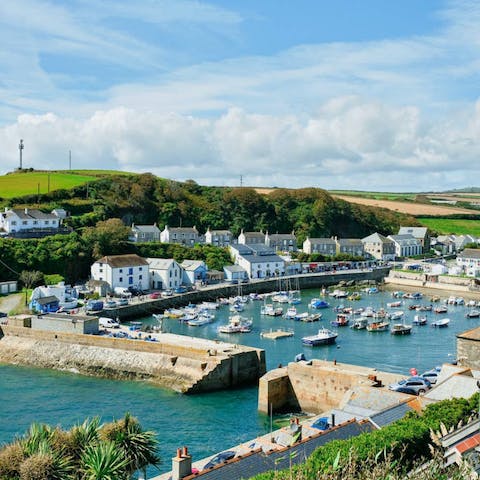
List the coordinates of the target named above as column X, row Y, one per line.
column 312, row 317
column 339, row 294
column 323, row 337
column 360, row 323
column 442, row 323
column 236, row 324
column 341, row 321
column 394, row 304
column 401, row 329
column 318, row 303
column 291, row 313
column 440, row 309
column 200, row 321
column 396, row 315
column 271, row 311
column 378, row 326
column 473, row 314
column 419, row 320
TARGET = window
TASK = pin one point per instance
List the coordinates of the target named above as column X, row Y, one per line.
column 14, row 222
column 130, row 271
column 24, row 222
column 139, row 277
column 35, row 222
column 46, row 222
column 121, row 270
column 130, row 280
column 120, row 279
column 140, row 268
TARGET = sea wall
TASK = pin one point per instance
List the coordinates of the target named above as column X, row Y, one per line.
column 315, row 386
column 183, row 364
column 311, row 280
column 435, row 282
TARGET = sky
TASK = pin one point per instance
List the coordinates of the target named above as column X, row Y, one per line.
column 351, row 94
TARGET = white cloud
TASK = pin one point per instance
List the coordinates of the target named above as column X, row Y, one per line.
column 349, row 142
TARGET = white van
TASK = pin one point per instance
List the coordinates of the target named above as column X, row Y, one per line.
column 122, row 292
column 106, row 322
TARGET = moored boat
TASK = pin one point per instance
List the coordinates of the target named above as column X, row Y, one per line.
column 378, row 326
column 323, row 337
column 341, row 321
column 236, row 324
column 318, row 303
column 401, row 329
column 420, row 320
column 360, row 323
column 442, row 323
column 473, row 314
column 313, row 317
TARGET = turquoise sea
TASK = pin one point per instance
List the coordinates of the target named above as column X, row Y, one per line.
column 211, row 422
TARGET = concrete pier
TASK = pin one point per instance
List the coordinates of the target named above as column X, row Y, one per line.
column 315, row 386
column 181, row 363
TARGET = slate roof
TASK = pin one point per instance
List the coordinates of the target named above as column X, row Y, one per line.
column 417, row 232
column 328, row 241
column 220, row 232
column 406, row 239
column 234, row 268
column 118, row 261
column 160, row 263
column 191, row 265
column 264, row 259
column 390, row 415
column 349, row 241
column 182, row 229
column 257, row 461
column 376, row 238
column 470, row 253
column 30, row 214
column 282, row 236
column 146, row 228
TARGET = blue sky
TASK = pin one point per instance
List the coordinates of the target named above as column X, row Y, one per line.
column 362, row 94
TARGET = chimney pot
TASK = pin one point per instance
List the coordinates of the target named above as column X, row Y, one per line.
column 185, row 451
column 179, row 453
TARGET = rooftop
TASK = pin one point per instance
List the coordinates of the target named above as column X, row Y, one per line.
column 118, row 261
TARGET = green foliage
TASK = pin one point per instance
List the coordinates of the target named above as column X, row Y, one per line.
column 90, row 451
column 53, row 279
column 31, row 278
column 446, row 226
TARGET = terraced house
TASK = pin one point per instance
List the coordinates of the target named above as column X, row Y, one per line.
column 17, row 221
column 187, row 236
column 379, row 247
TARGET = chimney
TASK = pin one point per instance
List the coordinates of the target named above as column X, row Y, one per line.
column 181, row 464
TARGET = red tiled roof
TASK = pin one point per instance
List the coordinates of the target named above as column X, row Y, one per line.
column 468, row 444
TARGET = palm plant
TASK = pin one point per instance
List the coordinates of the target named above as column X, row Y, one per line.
column 139, row 446
column 104, row 461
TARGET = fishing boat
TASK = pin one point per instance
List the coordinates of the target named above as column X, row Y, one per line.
column 301, row 316
column 236, row 307
column 401, row 329
column 318, row 303
column 382, row 313
column 368, row 312
column 360, row 323
column 424, row 308
column 338, row 294
column 442, row 323
column 473, row 314
column 281, row 297
column 291, row 313
column 271, row 311
column 341, row 321
column 440, row 309
column 378, row 326
column 419, row 320
column 323, row 337
column 200, row 321
column 236, row 324
column 312, row 317
column 396, row 315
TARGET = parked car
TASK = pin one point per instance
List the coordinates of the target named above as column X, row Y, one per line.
column 432, row 375
column 419, row 384
column 220, row 458
column 167, row 293
column 409, row 390
column 181, row 289
column 136, row 291
column 121, row 302
column 155, row 295
column 110, row 304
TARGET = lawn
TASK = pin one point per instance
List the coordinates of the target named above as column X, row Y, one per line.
column 28, row 183
column 446, row 226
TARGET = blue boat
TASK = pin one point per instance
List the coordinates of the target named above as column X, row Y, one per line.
column 318, row 303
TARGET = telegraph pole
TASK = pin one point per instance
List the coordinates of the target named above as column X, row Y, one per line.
column 69, row 159
column 20, row 149
column 241, row 180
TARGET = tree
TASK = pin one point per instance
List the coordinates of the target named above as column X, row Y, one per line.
column 31, row 278
column 107, row 237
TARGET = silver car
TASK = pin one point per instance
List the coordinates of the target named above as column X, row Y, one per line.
column 418, row 384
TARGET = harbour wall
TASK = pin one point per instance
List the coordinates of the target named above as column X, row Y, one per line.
column 312, row 280
column 183, row 364
column 315, row 386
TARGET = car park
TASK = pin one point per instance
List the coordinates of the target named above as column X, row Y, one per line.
column 220, row 458
column 418, row 384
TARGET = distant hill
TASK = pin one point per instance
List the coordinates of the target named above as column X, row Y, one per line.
column 464, row 190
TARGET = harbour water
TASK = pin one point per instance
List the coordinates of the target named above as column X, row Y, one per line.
column 211, row 422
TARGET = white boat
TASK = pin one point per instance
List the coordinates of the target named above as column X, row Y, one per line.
column 473, row 314
column 281, row 297
column 312, row 317
column 200, row 321
column 209, row 305
column 401, row 329
column 420, row 320
column 396, row 315
column 339, row 294
column 236, row 307
column 378, row 326
column 271, row 311
column 360, row 323
column 236, row 324
column 442, row 323
column 394, row 304
column 291, row 313
column 323, row 337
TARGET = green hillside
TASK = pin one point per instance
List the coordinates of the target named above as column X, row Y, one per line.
column 447, row 226
column 18, row 184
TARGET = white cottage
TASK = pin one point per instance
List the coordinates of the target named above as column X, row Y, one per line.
column 122, row 271
column 19, row 219
column 165, row 273
column 187, row 236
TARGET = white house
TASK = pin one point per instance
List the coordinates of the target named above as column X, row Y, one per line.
column 187, row 236
column 469, row 261
column 165, row 273
column 19, row 219
column 406, row 245
column 259, row 261
column 251, row 238
column 122, row 271
column 285, row 242
column 219, row 238
column 194, row 271
column 324, row 246
column 420, row 233
column 144, row 233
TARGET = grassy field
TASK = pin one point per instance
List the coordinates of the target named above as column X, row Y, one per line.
column 449, row 225
column 375, row 195
column 28, row 183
